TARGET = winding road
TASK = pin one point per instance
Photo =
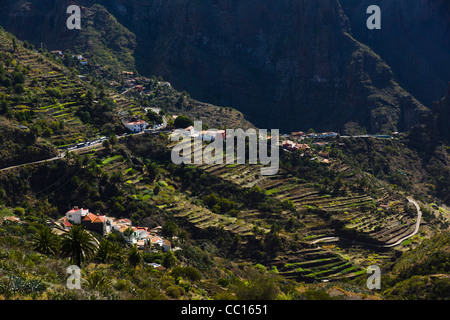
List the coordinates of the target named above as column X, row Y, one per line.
column 63, row 153
column 416, row 228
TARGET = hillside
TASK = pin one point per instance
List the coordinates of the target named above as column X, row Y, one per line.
column 336, row 206
column 241, row 219
column 221, row 54
column 45, row 100
column 423, row 273
column 102, row 39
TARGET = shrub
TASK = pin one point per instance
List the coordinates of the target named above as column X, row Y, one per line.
column 174, row 292
column 187, row 273
column 183, row 122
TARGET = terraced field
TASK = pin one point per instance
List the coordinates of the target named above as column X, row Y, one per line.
column 126, row 106
column 304, row 196
column 316, row 264
column 180, row 206
column 202, row 218
column 358, row 211
column 55, row 94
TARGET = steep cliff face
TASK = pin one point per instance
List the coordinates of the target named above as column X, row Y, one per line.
column 44, row 22
column 441, row 117
column 414, row 41
column 288, row 64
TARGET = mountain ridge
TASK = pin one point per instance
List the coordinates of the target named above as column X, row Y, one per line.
column 250, row 56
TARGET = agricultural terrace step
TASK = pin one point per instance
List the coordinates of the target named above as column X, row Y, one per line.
column 400, row 234
column 305, row 195
column 387, row 230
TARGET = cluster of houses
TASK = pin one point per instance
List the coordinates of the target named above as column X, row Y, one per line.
column 132, row 83
column 294, row 146
column 292, row 142
column 59, row 55
column 135, row 83
column 142, row 237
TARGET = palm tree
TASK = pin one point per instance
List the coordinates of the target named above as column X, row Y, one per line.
column 78, row 244
column 108, row 251
column 118, row 254
column 45, row 241
column 134, row 257
column 104, row 250
column 128, row 233
column 98, row 281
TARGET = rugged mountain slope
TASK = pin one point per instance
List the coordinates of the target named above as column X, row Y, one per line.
column 441, row 119
column 100, row 39
column 292, row 64
column 422, row 273
column 414, row 41
column 289, row 64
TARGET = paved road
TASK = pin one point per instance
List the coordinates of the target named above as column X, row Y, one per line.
column 63, row 153
column 35, row 162
column 327, row 239
column 416, row 228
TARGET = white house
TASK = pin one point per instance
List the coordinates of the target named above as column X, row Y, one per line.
column 142, row 233
column 213, row 134
column 136, row 126
column 76, row 215
column 166, row 246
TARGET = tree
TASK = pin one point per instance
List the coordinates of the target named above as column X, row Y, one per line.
column 19, row 89
column 78, row 244
column 106, row 144
column 169, row 260
column 338, row 184
column 183, row 122
column 112, row 139
column 134, row 257
column 109, row 251
column 45, row 241
column 186, row 272
column 169, row 229
column 258, row 286
column 152, row 170
column 89, row 97
column 127, row 233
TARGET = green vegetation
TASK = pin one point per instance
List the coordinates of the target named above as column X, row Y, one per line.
column 215, row 215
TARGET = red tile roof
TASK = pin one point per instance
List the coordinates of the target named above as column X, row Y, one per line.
column 94, row 218
column 135, row 123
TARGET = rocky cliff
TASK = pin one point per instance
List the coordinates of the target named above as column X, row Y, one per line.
column 414, row 41
column 43, row 23
column 288, row 64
